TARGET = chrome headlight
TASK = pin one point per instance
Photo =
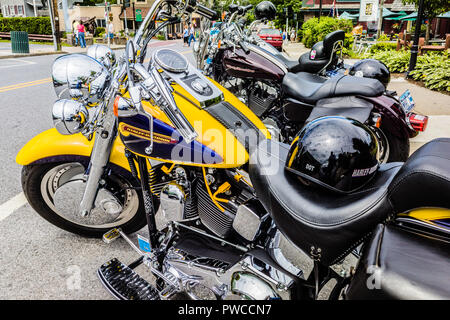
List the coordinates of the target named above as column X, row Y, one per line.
column 102, row 54
column 69, row 116
column 79, row 77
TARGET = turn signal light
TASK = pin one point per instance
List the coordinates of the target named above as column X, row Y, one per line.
column 418, row 122
column 116, row 106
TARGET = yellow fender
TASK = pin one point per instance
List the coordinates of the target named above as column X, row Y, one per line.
column 51, row 143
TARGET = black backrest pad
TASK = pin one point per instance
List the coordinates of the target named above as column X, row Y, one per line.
column 331, row 38
column 424, row 180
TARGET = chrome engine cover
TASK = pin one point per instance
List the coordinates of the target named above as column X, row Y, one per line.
column 250, row 278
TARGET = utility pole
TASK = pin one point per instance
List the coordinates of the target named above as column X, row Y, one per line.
column 415, row 46
column 54, row 20
column 107, row 24
column 34, row 8
column 380, row 18
column 67, row 23
column 320, row 9
column 134, row 18
column 287, row 20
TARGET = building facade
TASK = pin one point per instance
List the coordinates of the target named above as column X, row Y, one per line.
column 20, row 8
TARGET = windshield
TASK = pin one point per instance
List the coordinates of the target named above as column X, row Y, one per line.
column 275, row 32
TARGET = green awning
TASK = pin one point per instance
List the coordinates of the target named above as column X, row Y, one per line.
column 388, row 13
column 410, row 17
column 444, row 15
column 346, row 15
column 396, row 18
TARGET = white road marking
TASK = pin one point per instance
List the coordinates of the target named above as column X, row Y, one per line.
column 17, row 65
column 11, row 205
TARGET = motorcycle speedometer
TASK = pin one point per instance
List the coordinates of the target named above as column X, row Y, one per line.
column 171, row 60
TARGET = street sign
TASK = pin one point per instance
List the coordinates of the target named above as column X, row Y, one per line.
column 138, row 15
column 308, row 3
column 368, row 10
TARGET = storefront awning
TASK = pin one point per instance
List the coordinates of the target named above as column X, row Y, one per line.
column 444, row 15
column 409, row 17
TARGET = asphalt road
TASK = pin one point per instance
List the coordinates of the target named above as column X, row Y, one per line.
column 38, row 260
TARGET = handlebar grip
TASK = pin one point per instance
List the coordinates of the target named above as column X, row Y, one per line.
column 244, row 47
column 207, row 12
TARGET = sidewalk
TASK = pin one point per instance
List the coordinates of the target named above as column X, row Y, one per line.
column 294, row 49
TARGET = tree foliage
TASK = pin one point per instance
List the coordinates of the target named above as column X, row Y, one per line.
column 432, row 8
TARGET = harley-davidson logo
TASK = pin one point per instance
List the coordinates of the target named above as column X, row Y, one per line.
column 126, row 130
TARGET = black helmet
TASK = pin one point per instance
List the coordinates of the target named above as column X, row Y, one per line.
column 337, row 153
column 371, row 68
column 265, row 10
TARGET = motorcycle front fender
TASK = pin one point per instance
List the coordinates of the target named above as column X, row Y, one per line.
column 51, row 146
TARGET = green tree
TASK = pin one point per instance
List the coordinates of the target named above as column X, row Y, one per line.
column 432, row 8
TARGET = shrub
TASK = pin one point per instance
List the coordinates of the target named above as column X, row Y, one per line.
column 434, row 71
column 383, row 46
column 99, row 31
column 314, row 31
column 32, row 25
column 396, row 61
column 383, row 37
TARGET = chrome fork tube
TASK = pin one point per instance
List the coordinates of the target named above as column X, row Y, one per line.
column 101, row 151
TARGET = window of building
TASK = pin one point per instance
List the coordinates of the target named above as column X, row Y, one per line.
column 101, row 23
column 16, row 11
column 20, row 9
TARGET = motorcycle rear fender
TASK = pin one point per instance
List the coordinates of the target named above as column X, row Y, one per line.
column 392, row 115
column 51, row 146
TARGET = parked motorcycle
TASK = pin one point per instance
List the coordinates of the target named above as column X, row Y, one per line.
column 287, row 94
column 166, row 146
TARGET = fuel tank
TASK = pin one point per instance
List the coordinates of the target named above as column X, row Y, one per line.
column 257, row 64
column 226, row 132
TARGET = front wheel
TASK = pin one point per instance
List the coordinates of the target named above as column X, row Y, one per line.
column 55, row 191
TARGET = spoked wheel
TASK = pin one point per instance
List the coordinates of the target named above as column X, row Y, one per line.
column 55, row 191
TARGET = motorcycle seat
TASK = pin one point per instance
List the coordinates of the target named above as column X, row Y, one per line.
column 314, row 218
column 408, row 265
column 310, row 88
column 291, row 64
column 424, row 179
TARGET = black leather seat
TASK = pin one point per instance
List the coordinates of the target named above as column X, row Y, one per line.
column 316, row 218
column 424, row 180
column 292, row 65
column 309, row 88
column 398, row 264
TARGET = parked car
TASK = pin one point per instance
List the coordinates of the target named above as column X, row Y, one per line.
column 271, row 36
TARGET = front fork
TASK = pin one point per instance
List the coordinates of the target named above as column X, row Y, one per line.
column 101, row 151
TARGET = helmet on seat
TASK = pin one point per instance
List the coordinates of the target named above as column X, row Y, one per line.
column 265, row 10
column 371, row 68
column 337, row 153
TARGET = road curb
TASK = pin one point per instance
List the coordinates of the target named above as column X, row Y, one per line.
column 11, row 56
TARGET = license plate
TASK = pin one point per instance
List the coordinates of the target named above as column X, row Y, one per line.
column 269, row 38
column 407, row 101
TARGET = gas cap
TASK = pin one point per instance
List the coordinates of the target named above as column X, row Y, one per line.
column 199, row 85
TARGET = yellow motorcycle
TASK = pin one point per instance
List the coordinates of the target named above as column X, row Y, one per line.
column 162, row 145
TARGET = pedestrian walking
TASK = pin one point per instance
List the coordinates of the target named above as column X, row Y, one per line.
column 81, row 35
column 185, row 35
column 111, row 32
column 292, row 35
column 75, row 31
column 191, row 34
